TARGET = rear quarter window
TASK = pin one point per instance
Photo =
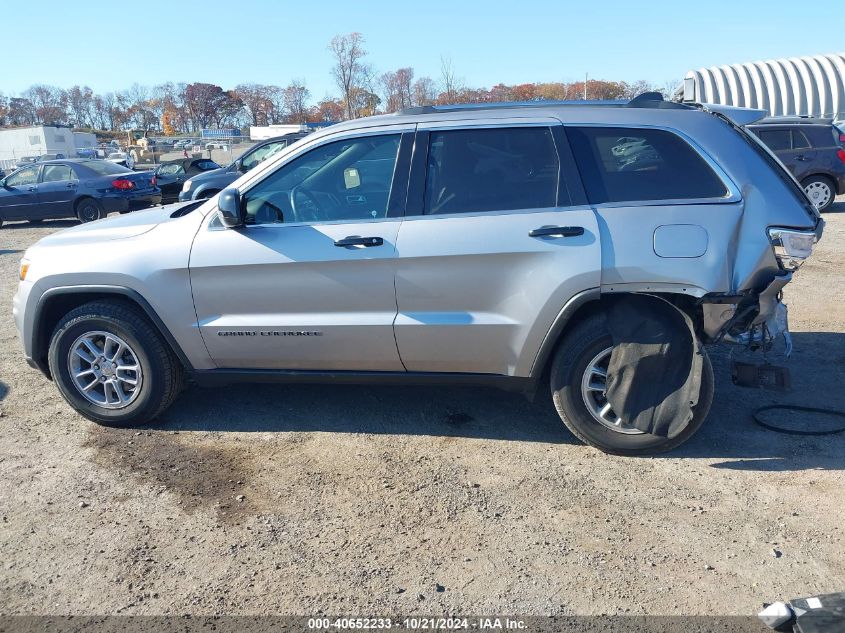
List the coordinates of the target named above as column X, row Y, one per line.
column 633, row 164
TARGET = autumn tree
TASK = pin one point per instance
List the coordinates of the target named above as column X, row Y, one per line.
column 49, row 103
column 80, row 103
column 256, row 101
column 350, row 71
column 202, row 101
column 328, row 110
column 21, row 111
column 423, row 92
column 397, row 89
column 4, row 109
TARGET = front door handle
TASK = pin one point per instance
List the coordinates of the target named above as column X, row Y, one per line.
column 557, row 231
column 802, row 158
column 71, row 185
column 31, row 188
column 356, row 240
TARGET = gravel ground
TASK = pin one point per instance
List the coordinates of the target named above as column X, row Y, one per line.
column 370, row 500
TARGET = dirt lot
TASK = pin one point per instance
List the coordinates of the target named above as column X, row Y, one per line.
column 417, row 500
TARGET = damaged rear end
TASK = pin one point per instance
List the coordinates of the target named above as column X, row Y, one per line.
column 786, row 227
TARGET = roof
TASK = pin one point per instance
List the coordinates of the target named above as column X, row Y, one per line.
column 648, row 108
column 811, row 85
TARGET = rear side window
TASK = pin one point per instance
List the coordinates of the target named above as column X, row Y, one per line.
column 799, row 141
column 776, row 140
column 629, row 164
column 498, row 169
column 57, row 173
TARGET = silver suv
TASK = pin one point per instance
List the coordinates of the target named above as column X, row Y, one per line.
column 589, row 249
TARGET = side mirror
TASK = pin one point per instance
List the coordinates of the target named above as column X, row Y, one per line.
column 229, row 208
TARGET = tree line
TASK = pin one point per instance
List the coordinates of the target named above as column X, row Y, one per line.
column 174, row 108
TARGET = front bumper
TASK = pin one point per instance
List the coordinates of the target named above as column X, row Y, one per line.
column 19, row 315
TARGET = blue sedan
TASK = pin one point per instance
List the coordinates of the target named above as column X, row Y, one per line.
column 85, row 189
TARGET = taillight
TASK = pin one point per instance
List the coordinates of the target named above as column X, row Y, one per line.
column 791, row 246
column 122, row 184
column 153, row 181
column 842, row 138
column 841, row 154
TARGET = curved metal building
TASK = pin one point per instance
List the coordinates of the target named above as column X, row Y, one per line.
column 812, row 86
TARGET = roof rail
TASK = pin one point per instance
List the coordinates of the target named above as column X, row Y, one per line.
column 645, row 100
column 502, row 105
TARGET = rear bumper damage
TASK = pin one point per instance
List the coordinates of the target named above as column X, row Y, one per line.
column 754, row 321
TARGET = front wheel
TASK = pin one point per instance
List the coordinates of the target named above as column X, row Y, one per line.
column 578, row 382
column 112, row 366
column 819, row 190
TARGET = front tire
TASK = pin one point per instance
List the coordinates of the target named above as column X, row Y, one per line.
column 112, row 365
column 574, row 360
column 88, row 210
column 821, row 192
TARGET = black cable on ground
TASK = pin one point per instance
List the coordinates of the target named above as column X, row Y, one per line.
column 795, row 407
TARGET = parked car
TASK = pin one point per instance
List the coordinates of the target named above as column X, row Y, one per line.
column 812, row 149
column 25, row 160
column 527, row 259
column 46, row 157
column 86, row 152
column 121, row 158
column 215, row 145
column 81, row 188
column 171, row 175
column 210, row 183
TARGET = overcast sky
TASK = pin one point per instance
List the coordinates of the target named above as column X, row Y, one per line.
column 110, row 45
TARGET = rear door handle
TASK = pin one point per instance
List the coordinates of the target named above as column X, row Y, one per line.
column 557, row 231
column 356, row 240
column 802, row 158
column 71, row 185
column 31, row 188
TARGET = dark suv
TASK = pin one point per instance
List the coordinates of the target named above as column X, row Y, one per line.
column 210, row 183
column 812, row 149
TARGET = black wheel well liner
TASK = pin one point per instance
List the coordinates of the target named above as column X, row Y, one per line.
column 57, row 302
column 594, row 303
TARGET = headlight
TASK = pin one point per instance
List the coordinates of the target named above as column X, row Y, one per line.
column 186, row 186
column 24, row 269
column 791, row 246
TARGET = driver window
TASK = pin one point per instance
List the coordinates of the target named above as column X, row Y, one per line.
column 344, row 180
column 22, row 177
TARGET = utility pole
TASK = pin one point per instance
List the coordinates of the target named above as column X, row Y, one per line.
column 586, row 78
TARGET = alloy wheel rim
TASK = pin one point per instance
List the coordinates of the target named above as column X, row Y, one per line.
column 105, row 370
column 594, row 393
column 819, row 193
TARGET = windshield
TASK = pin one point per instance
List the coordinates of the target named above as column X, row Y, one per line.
column 102, row 168
column 262, row 154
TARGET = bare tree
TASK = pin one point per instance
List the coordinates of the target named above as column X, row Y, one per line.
column 296, row 97
column 4, row 109
column 350, row 72
column 451, row 85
